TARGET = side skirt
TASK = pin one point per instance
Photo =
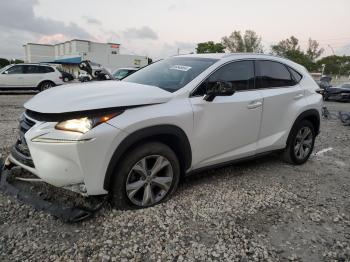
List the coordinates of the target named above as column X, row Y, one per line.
column 228, row 163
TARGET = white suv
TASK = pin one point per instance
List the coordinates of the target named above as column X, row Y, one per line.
column 136, row 138
column 38, row 76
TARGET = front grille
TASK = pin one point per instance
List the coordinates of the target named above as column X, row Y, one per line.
column 20, row 151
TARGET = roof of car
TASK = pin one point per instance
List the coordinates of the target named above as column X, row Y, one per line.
column 234, row 56
column 38, row 64
column 226, row 55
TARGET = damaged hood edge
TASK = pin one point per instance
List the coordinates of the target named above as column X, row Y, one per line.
column 95, row 96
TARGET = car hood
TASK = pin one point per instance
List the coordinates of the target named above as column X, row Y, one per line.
column 95, row 95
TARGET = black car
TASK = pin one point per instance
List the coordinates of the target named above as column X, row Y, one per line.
column 66, row 76
column 324, row 84
column 338, row 93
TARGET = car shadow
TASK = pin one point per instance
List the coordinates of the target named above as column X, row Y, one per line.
column 229, row 169
column 18, row 92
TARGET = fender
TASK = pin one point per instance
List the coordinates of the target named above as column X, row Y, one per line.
column 312, row 115
column 179, row 143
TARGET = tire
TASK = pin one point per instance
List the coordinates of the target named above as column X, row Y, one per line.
column 325, row 98
column 45, row 85
column 129, row 187
column 66, row 79
column 295, row 154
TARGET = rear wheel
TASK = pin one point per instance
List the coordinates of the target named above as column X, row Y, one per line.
column 301, row 143
column 148, row 175
column 46, row 85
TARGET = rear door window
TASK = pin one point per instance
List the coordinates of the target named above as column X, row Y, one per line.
column 270, row 74
column 45, row 69
column 30, row 69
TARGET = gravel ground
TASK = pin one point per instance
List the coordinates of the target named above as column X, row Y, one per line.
column 262, row 210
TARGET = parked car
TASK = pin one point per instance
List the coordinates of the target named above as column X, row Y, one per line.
column 121, row 73
column 33, row 76
column 66, row 76
column 84, row 77
column 337, row 93
column 134, row 139
column 324, row 84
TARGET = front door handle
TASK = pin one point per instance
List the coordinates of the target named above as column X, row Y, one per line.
column 298, row 96
column 254, row 104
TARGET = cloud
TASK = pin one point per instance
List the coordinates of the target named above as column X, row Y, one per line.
column 167, row 49
column 52, row 39
column 172, row 7
column 144, row 32
column 345, row 50
column 92, row 21
column 11, row 44
column 177, row 5
column 19, row 15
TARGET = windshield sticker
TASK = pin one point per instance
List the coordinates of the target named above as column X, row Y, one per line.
column 180, row 67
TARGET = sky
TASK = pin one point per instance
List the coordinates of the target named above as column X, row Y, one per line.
column 158, row 28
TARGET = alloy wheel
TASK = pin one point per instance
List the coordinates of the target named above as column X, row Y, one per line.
column 303, row 143
column 149, row 180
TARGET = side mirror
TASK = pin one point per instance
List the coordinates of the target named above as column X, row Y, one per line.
column 220, row 88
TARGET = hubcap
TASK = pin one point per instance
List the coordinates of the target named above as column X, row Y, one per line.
column 303, row 143
column 149, row 180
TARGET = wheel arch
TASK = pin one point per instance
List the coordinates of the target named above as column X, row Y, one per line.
column 43, row 81
column 311, row 115
column 171, row 135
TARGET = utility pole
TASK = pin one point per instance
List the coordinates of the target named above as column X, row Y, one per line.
column 323, row 67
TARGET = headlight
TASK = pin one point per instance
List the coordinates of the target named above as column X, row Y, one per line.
column 84, row 124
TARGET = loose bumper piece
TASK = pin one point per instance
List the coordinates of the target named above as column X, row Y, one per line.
column 36, row 193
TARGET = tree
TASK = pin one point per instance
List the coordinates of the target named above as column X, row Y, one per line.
column 17, row 61
column 249, row 42
column 290, row 48
column 289, row 45
column 314, row 51
column 4, row 62
column 210, row 47
column 335, row 65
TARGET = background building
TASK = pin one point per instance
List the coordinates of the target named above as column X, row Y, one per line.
column 70, row 53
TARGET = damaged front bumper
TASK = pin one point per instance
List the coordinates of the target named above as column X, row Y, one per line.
column 61, row 203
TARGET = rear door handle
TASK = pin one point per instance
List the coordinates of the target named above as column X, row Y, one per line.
column 254, row 104
column 298, row 96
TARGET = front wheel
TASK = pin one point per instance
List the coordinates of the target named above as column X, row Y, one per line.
column 148, row 175
column 301, row 143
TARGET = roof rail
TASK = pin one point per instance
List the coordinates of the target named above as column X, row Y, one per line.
column 262, row 54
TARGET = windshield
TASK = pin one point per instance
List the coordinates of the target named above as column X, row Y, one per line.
column 171, row 74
